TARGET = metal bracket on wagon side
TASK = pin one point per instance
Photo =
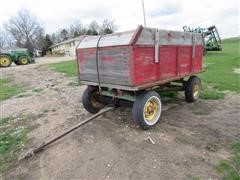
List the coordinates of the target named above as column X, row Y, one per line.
column 156, row 60
column 193, row 46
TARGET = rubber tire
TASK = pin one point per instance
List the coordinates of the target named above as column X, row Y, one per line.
column 138, row 108
column 189, row 88
column 19, row 60
column 86, row 101
column 8, row 58
column 17, row 63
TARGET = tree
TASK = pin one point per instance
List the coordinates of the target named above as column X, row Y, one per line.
column 39, row 41
column 55, row 37
column 64, row 34
column 47, row 43
column 93, row 28
column 107, row 27
column 6, row 39
column 2, row 39
column 76, row 29
column 25, row 30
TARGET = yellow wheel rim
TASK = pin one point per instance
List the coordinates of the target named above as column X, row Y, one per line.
column 196, row 90
column 151, row 110
column 24, row 61
column 5, row 61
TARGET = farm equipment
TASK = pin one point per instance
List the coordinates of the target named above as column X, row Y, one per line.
column 135, row 65
column 18, row 56
column 211, row 38
column 130, row 68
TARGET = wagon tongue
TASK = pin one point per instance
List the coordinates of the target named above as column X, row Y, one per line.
column 41, row 147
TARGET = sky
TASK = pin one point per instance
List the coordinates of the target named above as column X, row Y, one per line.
column 128, row 14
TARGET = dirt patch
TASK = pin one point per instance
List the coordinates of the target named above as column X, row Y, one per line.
column 188, row 141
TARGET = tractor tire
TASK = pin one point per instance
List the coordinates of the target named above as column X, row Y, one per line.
column 90, row 100
column 23, row 60
column 193, row 89
column 147, row 109
column 5, row 60
column 17, row 63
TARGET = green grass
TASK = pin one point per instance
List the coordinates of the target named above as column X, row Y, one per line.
column 4, row 121
column 230, row 169
column 219, row 70
column 13, row 136
column 67, row 67
column 236, row 147
column 10, row 141
column 196, row 178
column 212, row 94
column 7, row 89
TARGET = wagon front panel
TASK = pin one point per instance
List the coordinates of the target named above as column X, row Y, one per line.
column 113, row 65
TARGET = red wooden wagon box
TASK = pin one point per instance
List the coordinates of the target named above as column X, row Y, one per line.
column 128, row 65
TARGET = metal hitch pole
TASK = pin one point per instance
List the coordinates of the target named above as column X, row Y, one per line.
column 39, row 148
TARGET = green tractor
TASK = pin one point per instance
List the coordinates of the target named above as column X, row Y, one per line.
column 211, row 38
column 18, row 56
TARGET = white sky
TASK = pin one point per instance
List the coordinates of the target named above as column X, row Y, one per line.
column 164, row 14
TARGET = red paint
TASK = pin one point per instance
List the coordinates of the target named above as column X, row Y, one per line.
column 174, row 62
column 106, row 58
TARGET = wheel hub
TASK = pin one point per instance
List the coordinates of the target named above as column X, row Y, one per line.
column 24, row 61
column 151, row 110
column 196, row 90
column 4, row 61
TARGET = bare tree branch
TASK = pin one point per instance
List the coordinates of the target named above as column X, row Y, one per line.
column 26, row 30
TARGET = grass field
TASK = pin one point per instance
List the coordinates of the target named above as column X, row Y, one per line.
column 219, row 75
column 230, row 169
column 13, row 136
column 68, row 67
column 7, row 89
